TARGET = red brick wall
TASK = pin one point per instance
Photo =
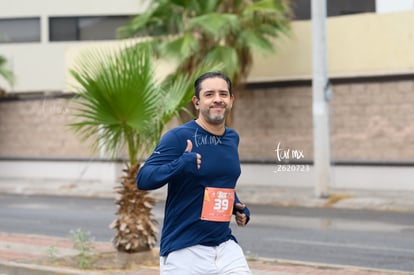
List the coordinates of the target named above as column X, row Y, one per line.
column 37, row 128
column 266, row 116
column 371, row 120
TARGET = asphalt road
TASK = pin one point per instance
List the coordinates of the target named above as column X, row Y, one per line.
column 336, row 236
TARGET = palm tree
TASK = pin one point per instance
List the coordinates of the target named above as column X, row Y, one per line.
column 194, row 32
column 5, row 73
column 121, row 104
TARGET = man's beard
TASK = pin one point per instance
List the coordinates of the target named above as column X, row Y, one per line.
column 214, row 119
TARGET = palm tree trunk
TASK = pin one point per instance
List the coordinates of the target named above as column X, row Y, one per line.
column 135, row 228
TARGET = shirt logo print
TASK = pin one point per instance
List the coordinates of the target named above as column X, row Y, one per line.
column 200, row 140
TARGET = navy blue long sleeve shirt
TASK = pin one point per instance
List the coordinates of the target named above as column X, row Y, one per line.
column 220, row 168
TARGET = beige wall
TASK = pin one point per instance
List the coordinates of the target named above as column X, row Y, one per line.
column 358, row 45
column 22, row 8
column 40, row 66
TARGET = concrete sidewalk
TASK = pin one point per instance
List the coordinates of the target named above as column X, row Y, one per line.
column 25, row 254
column 19, row 253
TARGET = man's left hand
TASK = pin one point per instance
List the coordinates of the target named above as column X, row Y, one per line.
column 241, row 218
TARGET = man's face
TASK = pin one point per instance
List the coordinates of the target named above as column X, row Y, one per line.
column 215, row 100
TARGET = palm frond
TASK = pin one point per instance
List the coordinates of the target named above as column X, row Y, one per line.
column 267, row 7
column 134, row 26
column 181, row 47
column 163, row 17
column 6, row 73
column 208, row 6
column 203, row 30
column 215, row 24
column 117, row 95
column 256, row 40
column 227, row 56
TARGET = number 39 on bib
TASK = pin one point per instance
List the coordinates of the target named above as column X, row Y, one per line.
column 218, row 204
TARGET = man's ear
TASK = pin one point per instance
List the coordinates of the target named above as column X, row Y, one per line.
column 232, row 99
column 195, row 102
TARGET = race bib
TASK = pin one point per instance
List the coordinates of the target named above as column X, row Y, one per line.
column 218, row 204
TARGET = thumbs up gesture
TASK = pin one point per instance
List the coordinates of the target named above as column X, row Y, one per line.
column 189, row 148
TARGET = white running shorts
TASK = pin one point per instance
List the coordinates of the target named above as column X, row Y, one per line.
column 225, row 259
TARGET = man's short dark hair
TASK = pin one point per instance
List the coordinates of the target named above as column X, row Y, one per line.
column 201, row 78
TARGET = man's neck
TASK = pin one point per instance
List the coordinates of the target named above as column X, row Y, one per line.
column 215, row 129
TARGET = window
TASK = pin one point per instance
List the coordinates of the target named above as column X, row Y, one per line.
column 340, row 7
column 15, row 30
column 85, row 28
column 302, row 8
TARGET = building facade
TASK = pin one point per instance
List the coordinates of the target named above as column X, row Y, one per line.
column 371, row 69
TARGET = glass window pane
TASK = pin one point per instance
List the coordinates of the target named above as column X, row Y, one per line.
column 340, row 7
column 63, row 29
column 85, row 28
column 302, row 8
column 100, row 28
column 16, row 30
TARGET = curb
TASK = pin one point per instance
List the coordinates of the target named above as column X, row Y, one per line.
column 334, row 266
column 13, row 268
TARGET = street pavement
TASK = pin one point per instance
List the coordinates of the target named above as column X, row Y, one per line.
column 21, row 254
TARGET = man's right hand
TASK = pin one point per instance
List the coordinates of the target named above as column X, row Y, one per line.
column 189, row 148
